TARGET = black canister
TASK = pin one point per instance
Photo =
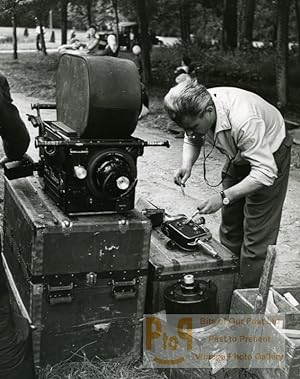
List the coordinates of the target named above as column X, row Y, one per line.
column 190, row 296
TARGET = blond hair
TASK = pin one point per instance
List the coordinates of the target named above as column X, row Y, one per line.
column 187, row 98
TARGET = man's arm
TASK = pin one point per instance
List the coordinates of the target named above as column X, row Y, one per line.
column 242, row 189
column 92, row 45
column 190, row 153
column 254, row 148
column 12, row 129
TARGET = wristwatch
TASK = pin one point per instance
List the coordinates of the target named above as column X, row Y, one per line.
column 225, row 199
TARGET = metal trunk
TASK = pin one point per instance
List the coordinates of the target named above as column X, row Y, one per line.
column 81, row 280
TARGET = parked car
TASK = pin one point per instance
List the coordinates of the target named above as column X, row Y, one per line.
column 129, row 35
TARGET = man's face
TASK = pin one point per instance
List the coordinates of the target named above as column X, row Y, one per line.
column 92, row 32
column 199, row 126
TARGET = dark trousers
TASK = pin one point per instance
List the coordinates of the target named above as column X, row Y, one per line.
column 38, row 42
column 251, row 224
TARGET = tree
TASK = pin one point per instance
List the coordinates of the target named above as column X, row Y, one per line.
column 229, row 35
column 297, row 5
column 12, row 8
column 282, row 52
column 247, row 21
column 115, row 7
column 141, row 13
column 185, row 20
column 64, row 21
column 41, row 8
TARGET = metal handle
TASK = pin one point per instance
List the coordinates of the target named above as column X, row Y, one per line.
column 208, row 248
column 43, row 106
column 157, row 143
column 124, row 295
column 16, row 294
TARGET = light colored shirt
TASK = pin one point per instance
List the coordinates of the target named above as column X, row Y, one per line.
column 248, row 130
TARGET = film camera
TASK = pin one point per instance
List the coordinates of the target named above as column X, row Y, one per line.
column 88, row 156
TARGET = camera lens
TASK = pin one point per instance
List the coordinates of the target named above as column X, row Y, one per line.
column 111, row 174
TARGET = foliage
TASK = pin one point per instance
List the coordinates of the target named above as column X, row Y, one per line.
column 253, row 70
column 10, row 8
column 206, row 17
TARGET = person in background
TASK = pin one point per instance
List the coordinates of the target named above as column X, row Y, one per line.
column 16, row 360
column 74, row 45
column 38, row 38
column 131, row 39
column 137, row 51
column 184, row 71
column 251, row 134
column 111, row 49
column 92, row 44
column 72, row 34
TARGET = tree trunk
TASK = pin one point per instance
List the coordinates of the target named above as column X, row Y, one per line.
column 140, row 6
column 15, row 39
column 297, row 5
column 89, row 11
column 247, row 19
column 185, row 21
column 64, row 21
column 229, row 35
column 43, row 43
column 282, row 53
column 115, row 6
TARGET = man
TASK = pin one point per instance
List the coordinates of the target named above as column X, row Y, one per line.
column 251, row 133
column 15, row 136
column 93, row 45
column 15, row 350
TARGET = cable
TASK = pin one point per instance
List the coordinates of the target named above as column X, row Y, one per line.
column 204, row 166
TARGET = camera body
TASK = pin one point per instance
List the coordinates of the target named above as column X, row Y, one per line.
column 88, row 176
column 88, row 156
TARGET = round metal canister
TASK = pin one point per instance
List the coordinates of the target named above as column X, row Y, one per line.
column 191, row 296
column 99, row 97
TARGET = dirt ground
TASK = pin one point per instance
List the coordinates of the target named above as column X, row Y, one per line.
column 155, row 174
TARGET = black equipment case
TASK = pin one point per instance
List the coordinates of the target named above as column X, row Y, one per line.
column 167, row 266
column 81, row 280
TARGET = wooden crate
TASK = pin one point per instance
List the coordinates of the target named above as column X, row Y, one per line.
column 243, row 303
column 199, row 360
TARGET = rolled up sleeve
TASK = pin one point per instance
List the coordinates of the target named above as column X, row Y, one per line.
column 255, row 149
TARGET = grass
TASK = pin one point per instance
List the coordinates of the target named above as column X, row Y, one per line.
column 28, row 43
column 32, row 74
column 99, row 369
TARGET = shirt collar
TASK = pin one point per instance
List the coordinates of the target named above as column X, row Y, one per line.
column 222, row 123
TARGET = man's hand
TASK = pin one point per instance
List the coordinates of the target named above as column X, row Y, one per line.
column 3, row 160
column 181, row 176
column 211, row 205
